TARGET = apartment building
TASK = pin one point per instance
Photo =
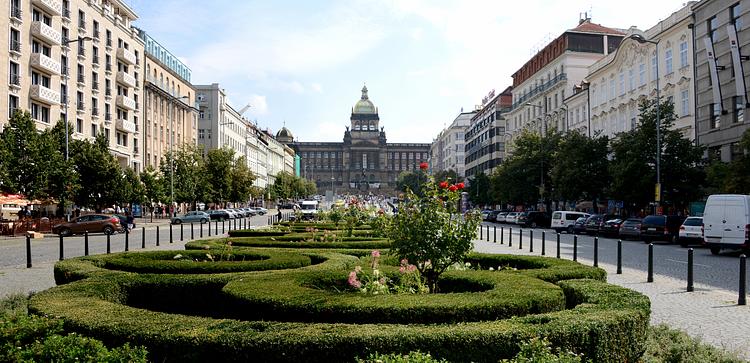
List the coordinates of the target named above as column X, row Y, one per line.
column 220, row 125
column 171, row 113
column 545, row 80
column 447, row 150
column 75, row 60
column 621, row 79
column 485, row 137
column 721, row 37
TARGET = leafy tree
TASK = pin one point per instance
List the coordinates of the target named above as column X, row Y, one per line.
column 732, row 177
column 633, row 166
column 580, row 167
column 410, row 180
column 190, row 183
column 133, row 189
column 283, row 186
column 153, row 186
column 449, row 175
column 241, row 181
column 218, row 169
column 101, row 177
column 479, row 189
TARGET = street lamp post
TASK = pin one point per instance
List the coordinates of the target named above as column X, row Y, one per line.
column 640, row 39
column 65, row 100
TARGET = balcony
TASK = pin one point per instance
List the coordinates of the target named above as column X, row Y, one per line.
column 66, row 13
column 81, row 106
column 125, row 125
column 108, row 117
column 126, row 56
column 81, row 79
column 15, row 13
column 125, row 79
column 46, row 33
column 135, row 150
column 126, row 102
column 108, row 68
column 82, row 24
column 45, row 64
column 95, row 60
column 95, row 111
column 15, row 46
column 51, row 6
column 95, row 86
column 96, row 34
column 45, row 95
column 108, row 92
column 15, row 80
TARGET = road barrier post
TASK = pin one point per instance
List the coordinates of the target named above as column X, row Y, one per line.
column 531, row 240
column 510, row 237
column 170, row 233
column 28, row 251
column 494, row 234
column 596, row 251
column 192, row 231
column 157, row 236
column 143, row 237
column 544, row 243
column 690, row 271
column 619, row 257
column 502, row 235
column 650, row 263
column 222, row 227
column 86, row 243
column 743, row 281
column 520, row 239
column 62, row 254
column 182, row 232
column 209, row 229
column 575, row 248
column 109, row 245
column 201, row 229
column 488, row 233
column 558, row 244
column 127, row 239
column 480, row 232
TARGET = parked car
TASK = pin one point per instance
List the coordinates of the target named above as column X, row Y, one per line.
column 219, row 215
column 691, row 231
column 194, row 216
column 631, row 228
column 661, row 228
column 564, row 220
column 485, row 213
column 726, row 222
column 500, row 217
column 260, row 210
column 93, row 223
column 595, row 223
column 534, row 219
column 512, row 217
column 611, row 228
column 579, row 227
column 492, row 216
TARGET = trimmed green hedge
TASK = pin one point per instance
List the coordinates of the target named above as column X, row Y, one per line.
column 255, row 233
column 605, row 322
column 290, row 241
column 162, row 262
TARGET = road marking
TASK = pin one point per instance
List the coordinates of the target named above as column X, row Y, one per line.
column 685, row 262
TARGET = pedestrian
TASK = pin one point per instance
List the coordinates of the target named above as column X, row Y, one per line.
column 130, row 221
column 278, row 214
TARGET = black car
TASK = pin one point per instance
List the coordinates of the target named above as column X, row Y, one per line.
column 534, row 219
column 219, row 215
column 579, row 227
column 611, row 228
column 492, row 215
column 631, row 228
column 661, row 228
column 595, row 223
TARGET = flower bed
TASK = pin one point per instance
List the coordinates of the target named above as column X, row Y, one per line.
column 605, row 322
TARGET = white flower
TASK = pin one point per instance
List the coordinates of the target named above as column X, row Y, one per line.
column 376, row 272
column 492, row 269
column 177, row 256
column 468, row 264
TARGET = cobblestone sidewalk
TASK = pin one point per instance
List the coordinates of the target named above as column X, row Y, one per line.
column 707, row 313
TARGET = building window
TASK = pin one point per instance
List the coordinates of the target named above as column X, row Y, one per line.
column 622, row 83
column 715, row 116
column 12, row 105
column 668, row 61
column 15, row 40
column 40, row 113
column 612, row 91
column 685, row 102
column 683, row 54
column 93, row 130
column 14, row 74
column 739, row 109
column 631, row 79
column 734, row 14
column 653, row 67
column 712, row 24
column 79, row 126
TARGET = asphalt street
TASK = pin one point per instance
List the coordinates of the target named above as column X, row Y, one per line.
column 671, row 260
column 13, row 250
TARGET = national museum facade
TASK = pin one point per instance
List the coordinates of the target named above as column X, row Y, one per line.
column 364, row 162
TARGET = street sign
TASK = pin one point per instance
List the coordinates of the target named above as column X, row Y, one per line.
column 657, row 192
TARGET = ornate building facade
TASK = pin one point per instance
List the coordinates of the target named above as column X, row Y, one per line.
column 364, row 162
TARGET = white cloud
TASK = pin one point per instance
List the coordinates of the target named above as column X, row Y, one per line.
column 258, row 105
column 316, row 87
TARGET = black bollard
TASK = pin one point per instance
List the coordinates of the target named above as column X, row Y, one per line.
column 170, row 233
column 109, row 245
column 143, row 237
column 157, row 236
column 494, row 234
column 201, row 229
column 558, row 245
column 127, row 239
column 192, row 231
column 502, row 235
column 596, row 251
column 216, row 227
column 575, row 248
column 520, row 239
column 690, row 271
column 488, row 233
column 85, row 243
column 544, row 243
column 619, row 257
column 743, row 281
column 62, row 255
column 182, row 232
column 209, row 229
column 480, row 232
column 650, row 263
column 531, row 241
column 510, row 237
column 28, row 251
column 222, row 227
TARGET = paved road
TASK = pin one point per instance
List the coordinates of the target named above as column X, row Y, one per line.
column 669, row 260
column 13, row 250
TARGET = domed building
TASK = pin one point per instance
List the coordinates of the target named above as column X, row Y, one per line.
column 364, row 161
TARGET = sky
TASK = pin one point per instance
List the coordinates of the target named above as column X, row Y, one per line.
column 302, row 64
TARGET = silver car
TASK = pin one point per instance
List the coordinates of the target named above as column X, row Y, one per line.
column 190, row 217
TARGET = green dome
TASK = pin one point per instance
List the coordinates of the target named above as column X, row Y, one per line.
column 364, row 105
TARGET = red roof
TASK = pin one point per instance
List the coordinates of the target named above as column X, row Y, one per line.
column 589, row 27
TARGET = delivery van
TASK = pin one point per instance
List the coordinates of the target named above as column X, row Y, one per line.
column 726, row 222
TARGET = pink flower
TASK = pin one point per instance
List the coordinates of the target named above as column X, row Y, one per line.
column 376, row 253
column 411, row 268
column 353, row 281
column 404, row 262
column 402, row 269
column 382, row 281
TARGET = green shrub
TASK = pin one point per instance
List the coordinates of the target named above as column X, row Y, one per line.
column 412, row 357
column 256, row 233
column 665, row 345
column 291, row 242
column 203, row 262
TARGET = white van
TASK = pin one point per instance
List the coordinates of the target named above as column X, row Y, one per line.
column 309, row 209
column 726, row 222
column 564, row 220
